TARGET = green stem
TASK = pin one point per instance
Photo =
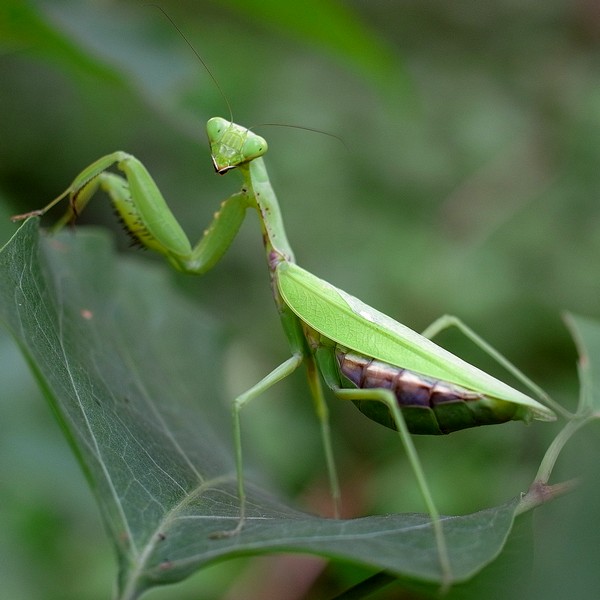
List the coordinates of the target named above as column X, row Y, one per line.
column 555, row 448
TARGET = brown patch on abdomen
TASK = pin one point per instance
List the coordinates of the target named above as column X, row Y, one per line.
column 410, row 388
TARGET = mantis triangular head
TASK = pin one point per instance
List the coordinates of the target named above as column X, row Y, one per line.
column 232, row 145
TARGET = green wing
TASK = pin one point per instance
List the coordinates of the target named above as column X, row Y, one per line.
column 347, row 321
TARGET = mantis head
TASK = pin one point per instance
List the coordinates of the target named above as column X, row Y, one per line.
column 232, row 145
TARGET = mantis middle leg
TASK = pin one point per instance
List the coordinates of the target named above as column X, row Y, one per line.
column 279, row 373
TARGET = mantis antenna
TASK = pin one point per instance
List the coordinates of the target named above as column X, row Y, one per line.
column 224, row 96
column 197, row 55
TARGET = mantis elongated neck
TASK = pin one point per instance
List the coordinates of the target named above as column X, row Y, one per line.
column 259, row 187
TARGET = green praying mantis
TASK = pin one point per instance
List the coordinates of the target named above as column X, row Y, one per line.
column 395, row 376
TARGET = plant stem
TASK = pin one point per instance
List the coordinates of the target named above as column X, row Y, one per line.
column 555, row 448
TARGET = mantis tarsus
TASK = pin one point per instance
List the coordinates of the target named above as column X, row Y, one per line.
column 395, row 376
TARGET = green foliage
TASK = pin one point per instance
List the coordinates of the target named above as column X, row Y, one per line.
column 146, row 422
column 469, row 187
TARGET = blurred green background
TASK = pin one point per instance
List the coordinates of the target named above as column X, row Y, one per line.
column 469, row 184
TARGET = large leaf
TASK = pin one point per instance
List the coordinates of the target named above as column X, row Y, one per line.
column 132, row 371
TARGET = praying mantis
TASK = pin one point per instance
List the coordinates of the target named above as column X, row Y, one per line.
column 395, row 376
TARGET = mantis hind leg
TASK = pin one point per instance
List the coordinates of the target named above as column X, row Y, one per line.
column 447, row 321
column 389, row 399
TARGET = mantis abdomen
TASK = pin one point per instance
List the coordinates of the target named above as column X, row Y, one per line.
column 430, row 406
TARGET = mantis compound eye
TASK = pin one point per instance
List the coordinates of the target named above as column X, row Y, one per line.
column 215, row 128
column 254, row 146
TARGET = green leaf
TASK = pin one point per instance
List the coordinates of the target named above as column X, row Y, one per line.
column 123, row 46
column 22, row 26
column 586, row 333
column 334, row 26
column 131, row 370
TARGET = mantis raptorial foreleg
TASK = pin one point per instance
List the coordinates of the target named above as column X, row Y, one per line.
column 147, row 217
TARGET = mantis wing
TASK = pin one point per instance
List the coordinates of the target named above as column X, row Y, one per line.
column 351, row 323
